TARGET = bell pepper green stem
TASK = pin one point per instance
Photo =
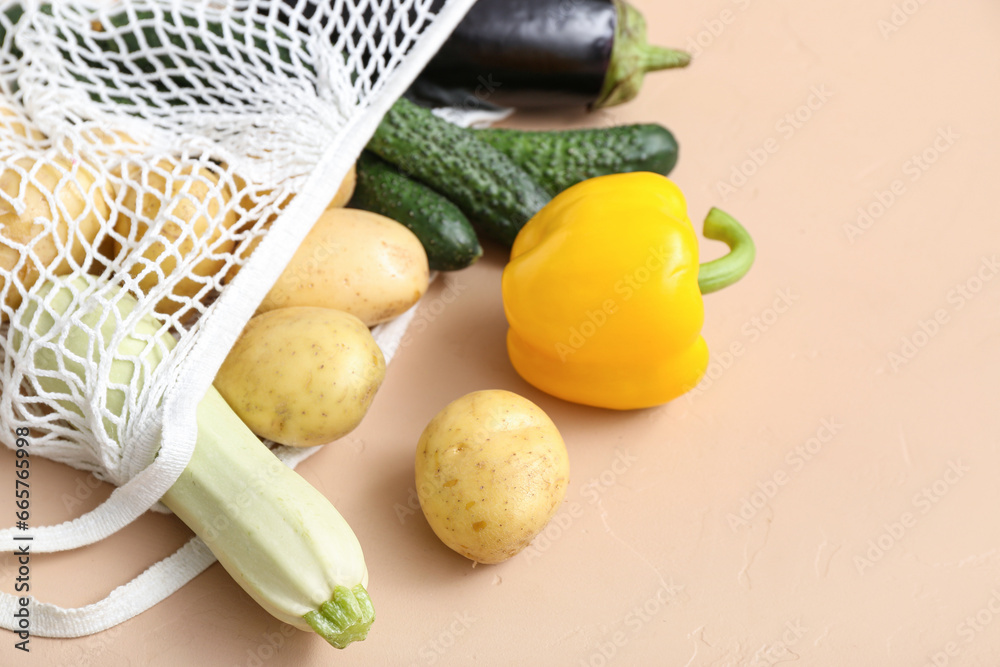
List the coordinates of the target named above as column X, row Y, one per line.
column 723, row 272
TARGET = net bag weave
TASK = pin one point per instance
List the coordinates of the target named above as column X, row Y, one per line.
column 174, row 153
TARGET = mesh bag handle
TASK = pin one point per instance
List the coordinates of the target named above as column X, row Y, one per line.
column 179, row 151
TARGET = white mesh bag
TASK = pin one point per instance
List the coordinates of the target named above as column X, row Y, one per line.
column 179, row 152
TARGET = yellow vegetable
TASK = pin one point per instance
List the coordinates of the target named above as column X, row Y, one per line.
column 346, row 190
column 115, row 142
column 63, row 209
column 491, row 470
column 603, row 292
column 251, row 202
column 359, row 262
column 12, row 122
column 185, row 207
column 302, row 376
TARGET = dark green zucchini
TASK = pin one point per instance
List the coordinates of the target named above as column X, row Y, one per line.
column 488, row 186
column 560, row 159
column 445, row 232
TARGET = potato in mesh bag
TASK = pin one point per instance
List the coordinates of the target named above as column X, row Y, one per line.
column 176, row 227
column 12, row 125
column 52, row 209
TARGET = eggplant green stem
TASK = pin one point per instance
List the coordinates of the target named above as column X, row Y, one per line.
column 345, row 618
column 632, row 57
column 655, row 58
column 723, row 272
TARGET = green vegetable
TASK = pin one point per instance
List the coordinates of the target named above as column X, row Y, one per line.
column 446, row 234
column 142, row 51
column 10, row 16
column 484, row 183
column 561, row 159
column 279, row 537
column 487, row 185
column 632, row 57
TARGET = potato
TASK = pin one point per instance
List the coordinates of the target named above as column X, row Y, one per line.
column 250, row 202
column 49, row 232
column 101, row 143
column 491, row 469
column 302, row 376
column 12, row 122
column 115, row 142
column 359, row 262
column 346, row 190
column 189, row 214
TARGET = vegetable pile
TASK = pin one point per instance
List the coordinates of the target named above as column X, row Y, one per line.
column 276, row 534
column 499, row 179
column 602, row 294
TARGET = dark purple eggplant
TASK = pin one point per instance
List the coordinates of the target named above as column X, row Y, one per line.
column 539, row 53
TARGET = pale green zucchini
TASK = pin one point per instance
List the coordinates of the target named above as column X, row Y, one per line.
column 278, row 537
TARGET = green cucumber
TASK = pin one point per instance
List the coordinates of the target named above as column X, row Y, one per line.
column 447, row 235
column 493, row 191
column 560, row 159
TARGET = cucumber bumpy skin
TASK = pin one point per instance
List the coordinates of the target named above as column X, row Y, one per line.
column 279, row 537
column 445, row 232
column 487, row 185
column 560, row 159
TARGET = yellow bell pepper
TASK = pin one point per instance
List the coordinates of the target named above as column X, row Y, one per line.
column 603, row 292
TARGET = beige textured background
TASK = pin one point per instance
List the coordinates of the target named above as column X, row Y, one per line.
column 826, row 497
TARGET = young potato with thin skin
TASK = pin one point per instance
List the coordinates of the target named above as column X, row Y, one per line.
column 340, row 200
column 346, row 190
column 491, row 470
column 12, row 121
column 302, row 376
column 355, row 261
column 49, row 232
column 115, row 142
column 192, row 204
